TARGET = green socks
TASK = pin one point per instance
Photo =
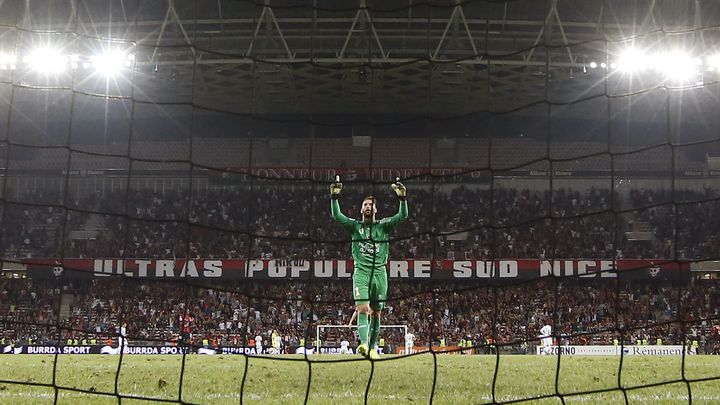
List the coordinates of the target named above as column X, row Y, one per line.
column 374, row 330
column 363, row 328
column 369, row 330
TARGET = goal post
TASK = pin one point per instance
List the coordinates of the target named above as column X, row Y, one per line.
column 319, row 328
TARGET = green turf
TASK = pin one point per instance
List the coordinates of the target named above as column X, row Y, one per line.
column 400, row 380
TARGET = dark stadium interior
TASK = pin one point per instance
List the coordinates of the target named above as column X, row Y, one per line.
column 182, row 200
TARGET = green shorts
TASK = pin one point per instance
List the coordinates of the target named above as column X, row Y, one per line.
column 370, row 289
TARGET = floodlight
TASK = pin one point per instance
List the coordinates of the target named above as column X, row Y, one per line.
column 654, row 62
column 74, row 60
column 7, row 61
column 46, row 60
column 631, row 60
column 110, row 62
column 593, row 65
column 678, row 66
column 713, row 62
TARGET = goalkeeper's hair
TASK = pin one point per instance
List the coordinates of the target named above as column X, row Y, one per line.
column 371, row 198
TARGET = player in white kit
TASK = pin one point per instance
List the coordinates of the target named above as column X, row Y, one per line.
column 546, row 338
column 345, row 347
column 409, row 343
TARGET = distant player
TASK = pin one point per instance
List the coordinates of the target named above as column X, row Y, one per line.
column 258, row 344
column 277, row 344
column 122, row 339
column 345, row 347
column 370, row 253
column 186, row 328
column 546, row 338
column 409, row 343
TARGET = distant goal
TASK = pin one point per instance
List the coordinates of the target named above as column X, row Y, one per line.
column 393, row 334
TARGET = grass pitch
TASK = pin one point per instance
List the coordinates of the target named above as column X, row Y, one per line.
column 91, row 379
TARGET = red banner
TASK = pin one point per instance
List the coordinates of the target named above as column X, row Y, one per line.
column 416, row 269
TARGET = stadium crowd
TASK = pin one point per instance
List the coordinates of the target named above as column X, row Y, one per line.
column 582, row 312
column 294, row 222
column 290, row 221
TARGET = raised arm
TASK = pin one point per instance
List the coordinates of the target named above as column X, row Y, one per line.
column 335, row 211
column 402, row 214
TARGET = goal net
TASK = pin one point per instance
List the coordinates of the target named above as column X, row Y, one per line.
column 164, row 183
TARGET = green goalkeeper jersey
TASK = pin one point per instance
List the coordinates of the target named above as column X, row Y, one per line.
column 369, row 240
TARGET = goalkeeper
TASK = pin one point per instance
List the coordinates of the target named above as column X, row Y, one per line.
column 370, row 254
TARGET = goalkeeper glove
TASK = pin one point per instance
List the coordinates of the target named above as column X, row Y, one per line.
column 399, row 189
column 335, row 188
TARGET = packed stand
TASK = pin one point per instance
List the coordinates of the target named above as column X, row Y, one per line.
column 288, row 221
column 581, row 312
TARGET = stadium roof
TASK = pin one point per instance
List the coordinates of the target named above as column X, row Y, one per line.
column 357, row 56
